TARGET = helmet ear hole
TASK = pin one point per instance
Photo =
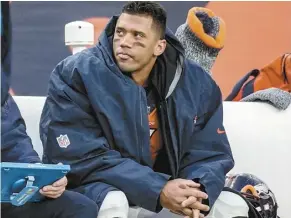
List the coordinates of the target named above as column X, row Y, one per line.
column 249, row 189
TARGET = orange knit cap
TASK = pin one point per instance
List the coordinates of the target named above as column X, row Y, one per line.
column 196, row 26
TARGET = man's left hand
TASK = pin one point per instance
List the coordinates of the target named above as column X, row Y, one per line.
column 56, row 189
column 189, row 206
column 193, row 205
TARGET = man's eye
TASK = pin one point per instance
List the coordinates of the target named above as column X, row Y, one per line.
column 119, row 32
column 139, row 35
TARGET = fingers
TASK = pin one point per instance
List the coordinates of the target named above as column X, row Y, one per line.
column 189, row 201
column 55, row 193
column 187, row 212
column 190, row 212
column 177, row 209
column 50, row 188
column 179, row 201
column 55, row 190
column 196, row 213
column 198, row 205
column 192, row 184
column 200, row 215
column 188, row 183
column 61, row 182
column 194, row 192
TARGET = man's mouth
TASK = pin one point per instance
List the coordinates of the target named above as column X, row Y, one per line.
column 123, row 56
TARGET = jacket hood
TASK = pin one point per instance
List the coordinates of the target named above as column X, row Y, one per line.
column 171, row 60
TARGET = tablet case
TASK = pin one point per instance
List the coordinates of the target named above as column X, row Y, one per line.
column 20, row 182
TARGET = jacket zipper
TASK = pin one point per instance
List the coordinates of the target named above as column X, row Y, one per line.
column 168, row 137
column 141, row 121
column 168, row 143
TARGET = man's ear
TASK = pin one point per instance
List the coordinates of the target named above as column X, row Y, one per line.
column 160, row 48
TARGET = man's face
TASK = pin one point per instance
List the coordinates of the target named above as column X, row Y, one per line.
column 135, row 42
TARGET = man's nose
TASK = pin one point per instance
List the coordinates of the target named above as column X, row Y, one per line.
column 126, row 41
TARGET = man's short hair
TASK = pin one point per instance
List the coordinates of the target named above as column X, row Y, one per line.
column 152, row 9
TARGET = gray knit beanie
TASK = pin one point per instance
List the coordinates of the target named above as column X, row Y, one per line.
column 202, row 36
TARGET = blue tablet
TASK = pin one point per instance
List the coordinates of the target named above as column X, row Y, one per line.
column 20, row 182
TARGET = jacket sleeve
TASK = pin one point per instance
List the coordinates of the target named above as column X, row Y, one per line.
column 16, row 145
column 67, row 113
column 208, row 158
column 5, row 50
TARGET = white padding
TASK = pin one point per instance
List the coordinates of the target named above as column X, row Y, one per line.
column 229, row 205
column 114, row 205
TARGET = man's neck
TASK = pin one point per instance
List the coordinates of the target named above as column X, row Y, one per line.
column 141, row 77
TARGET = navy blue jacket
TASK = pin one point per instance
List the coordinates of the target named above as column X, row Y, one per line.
column 102, row 116
column 16, row 145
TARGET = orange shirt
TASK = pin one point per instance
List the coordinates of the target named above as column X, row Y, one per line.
column 155, row 141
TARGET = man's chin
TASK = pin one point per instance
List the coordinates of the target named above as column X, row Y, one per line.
column 126, row 69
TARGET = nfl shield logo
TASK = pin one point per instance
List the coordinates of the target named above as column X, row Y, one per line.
column 63, row 141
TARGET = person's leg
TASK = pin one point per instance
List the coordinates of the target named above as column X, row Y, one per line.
column 69, row 205
column 10, row 211
column 114, row 205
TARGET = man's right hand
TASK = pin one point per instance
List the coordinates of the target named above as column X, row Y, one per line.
column 178, row 190
column 56, row 189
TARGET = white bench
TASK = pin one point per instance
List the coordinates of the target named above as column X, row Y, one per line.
column 259, row 134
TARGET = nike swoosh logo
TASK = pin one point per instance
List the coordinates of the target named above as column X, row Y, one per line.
column 220, row 131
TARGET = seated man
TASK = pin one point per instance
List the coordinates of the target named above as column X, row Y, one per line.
column 16, row 146
column 138, row 119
